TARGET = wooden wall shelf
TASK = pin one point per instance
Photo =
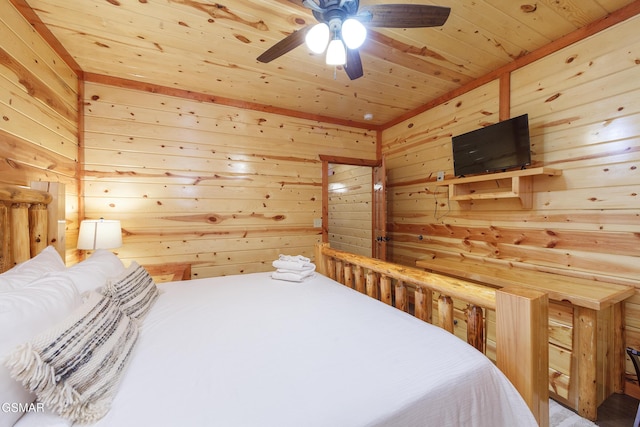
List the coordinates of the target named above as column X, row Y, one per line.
column 461, row 189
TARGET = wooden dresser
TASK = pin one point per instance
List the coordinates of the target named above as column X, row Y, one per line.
column 586, row 346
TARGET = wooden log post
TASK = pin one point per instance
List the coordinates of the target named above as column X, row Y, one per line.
column 56, row 211
column 522, row 353
column 385, row 290
column 401, row 296
column 20, row 232
column 360, row 285
column 16, row 240
column 372, row 284
column 348, row 275
column 423, row 299
column 5, row 239
column 38, row 232
column 331, row 268
column 320, row 259
column 475, row 327
column 445, row 313
column 339, row 271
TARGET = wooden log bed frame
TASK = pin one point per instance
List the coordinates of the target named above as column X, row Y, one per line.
column 24, row 224
column 521, row 314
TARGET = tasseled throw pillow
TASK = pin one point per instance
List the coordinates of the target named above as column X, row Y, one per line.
column 133, row 290
column 74, row 367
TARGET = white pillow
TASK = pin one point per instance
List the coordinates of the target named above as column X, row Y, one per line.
column 93, row 272
column 46, row 261
column 24, row 313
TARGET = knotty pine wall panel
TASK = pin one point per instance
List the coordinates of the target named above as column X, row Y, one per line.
column 584, row 111
column 415, row 151
column 38, row 114
column 223, row 188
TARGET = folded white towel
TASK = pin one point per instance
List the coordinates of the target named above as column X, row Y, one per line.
column 290, row 276
column 298, row 265
column 293, row 268
column 302, row 273
column 293, row 258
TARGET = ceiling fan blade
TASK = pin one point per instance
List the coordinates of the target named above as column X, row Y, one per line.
column 297, row 2
column 404, row 15
column 353, row 67
column 311, row 4
column 285, row 45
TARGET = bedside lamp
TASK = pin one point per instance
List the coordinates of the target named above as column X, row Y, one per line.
column 99, row 234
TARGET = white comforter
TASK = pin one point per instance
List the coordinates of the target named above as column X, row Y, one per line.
column 252, row 351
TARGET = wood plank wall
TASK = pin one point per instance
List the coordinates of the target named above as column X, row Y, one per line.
column 584, row 110
column 223, row 188
column 39, row 114
column 350, row 208
column 172, row 169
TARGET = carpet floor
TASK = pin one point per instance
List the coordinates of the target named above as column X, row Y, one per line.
column 559, row 416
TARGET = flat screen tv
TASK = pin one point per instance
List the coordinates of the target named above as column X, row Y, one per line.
column 504, row 145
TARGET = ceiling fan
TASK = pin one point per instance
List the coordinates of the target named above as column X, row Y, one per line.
column 342, row 29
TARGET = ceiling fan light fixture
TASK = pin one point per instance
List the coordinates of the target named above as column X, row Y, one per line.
column 353, row 33
column 336, row 53
column 342, row 29
column 317, row 38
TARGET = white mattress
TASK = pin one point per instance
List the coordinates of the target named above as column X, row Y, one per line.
column 252, row 351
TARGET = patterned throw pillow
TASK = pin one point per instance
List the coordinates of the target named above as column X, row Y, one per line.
column 133, row 290
column 74, row 368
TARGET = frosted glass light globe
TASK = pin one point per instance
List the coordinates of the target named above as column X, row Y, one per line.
column 353, row 33
column 336, row 53
column 317, row 38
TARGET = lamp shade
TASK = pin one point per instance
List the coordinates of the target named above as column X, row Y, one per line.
column 100, row 234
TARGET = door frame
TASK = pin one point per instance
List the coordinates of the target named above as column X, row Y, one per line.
column 326, row 159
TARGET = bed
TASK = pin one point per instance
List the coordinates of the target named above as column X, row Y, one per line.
column 336, row 349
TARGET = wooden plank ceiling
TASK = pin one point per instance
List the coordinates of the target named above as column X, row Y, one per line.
column 211, row 48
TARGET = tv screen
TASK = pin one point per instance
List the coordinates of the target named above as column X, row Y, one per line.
column 504, row 145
